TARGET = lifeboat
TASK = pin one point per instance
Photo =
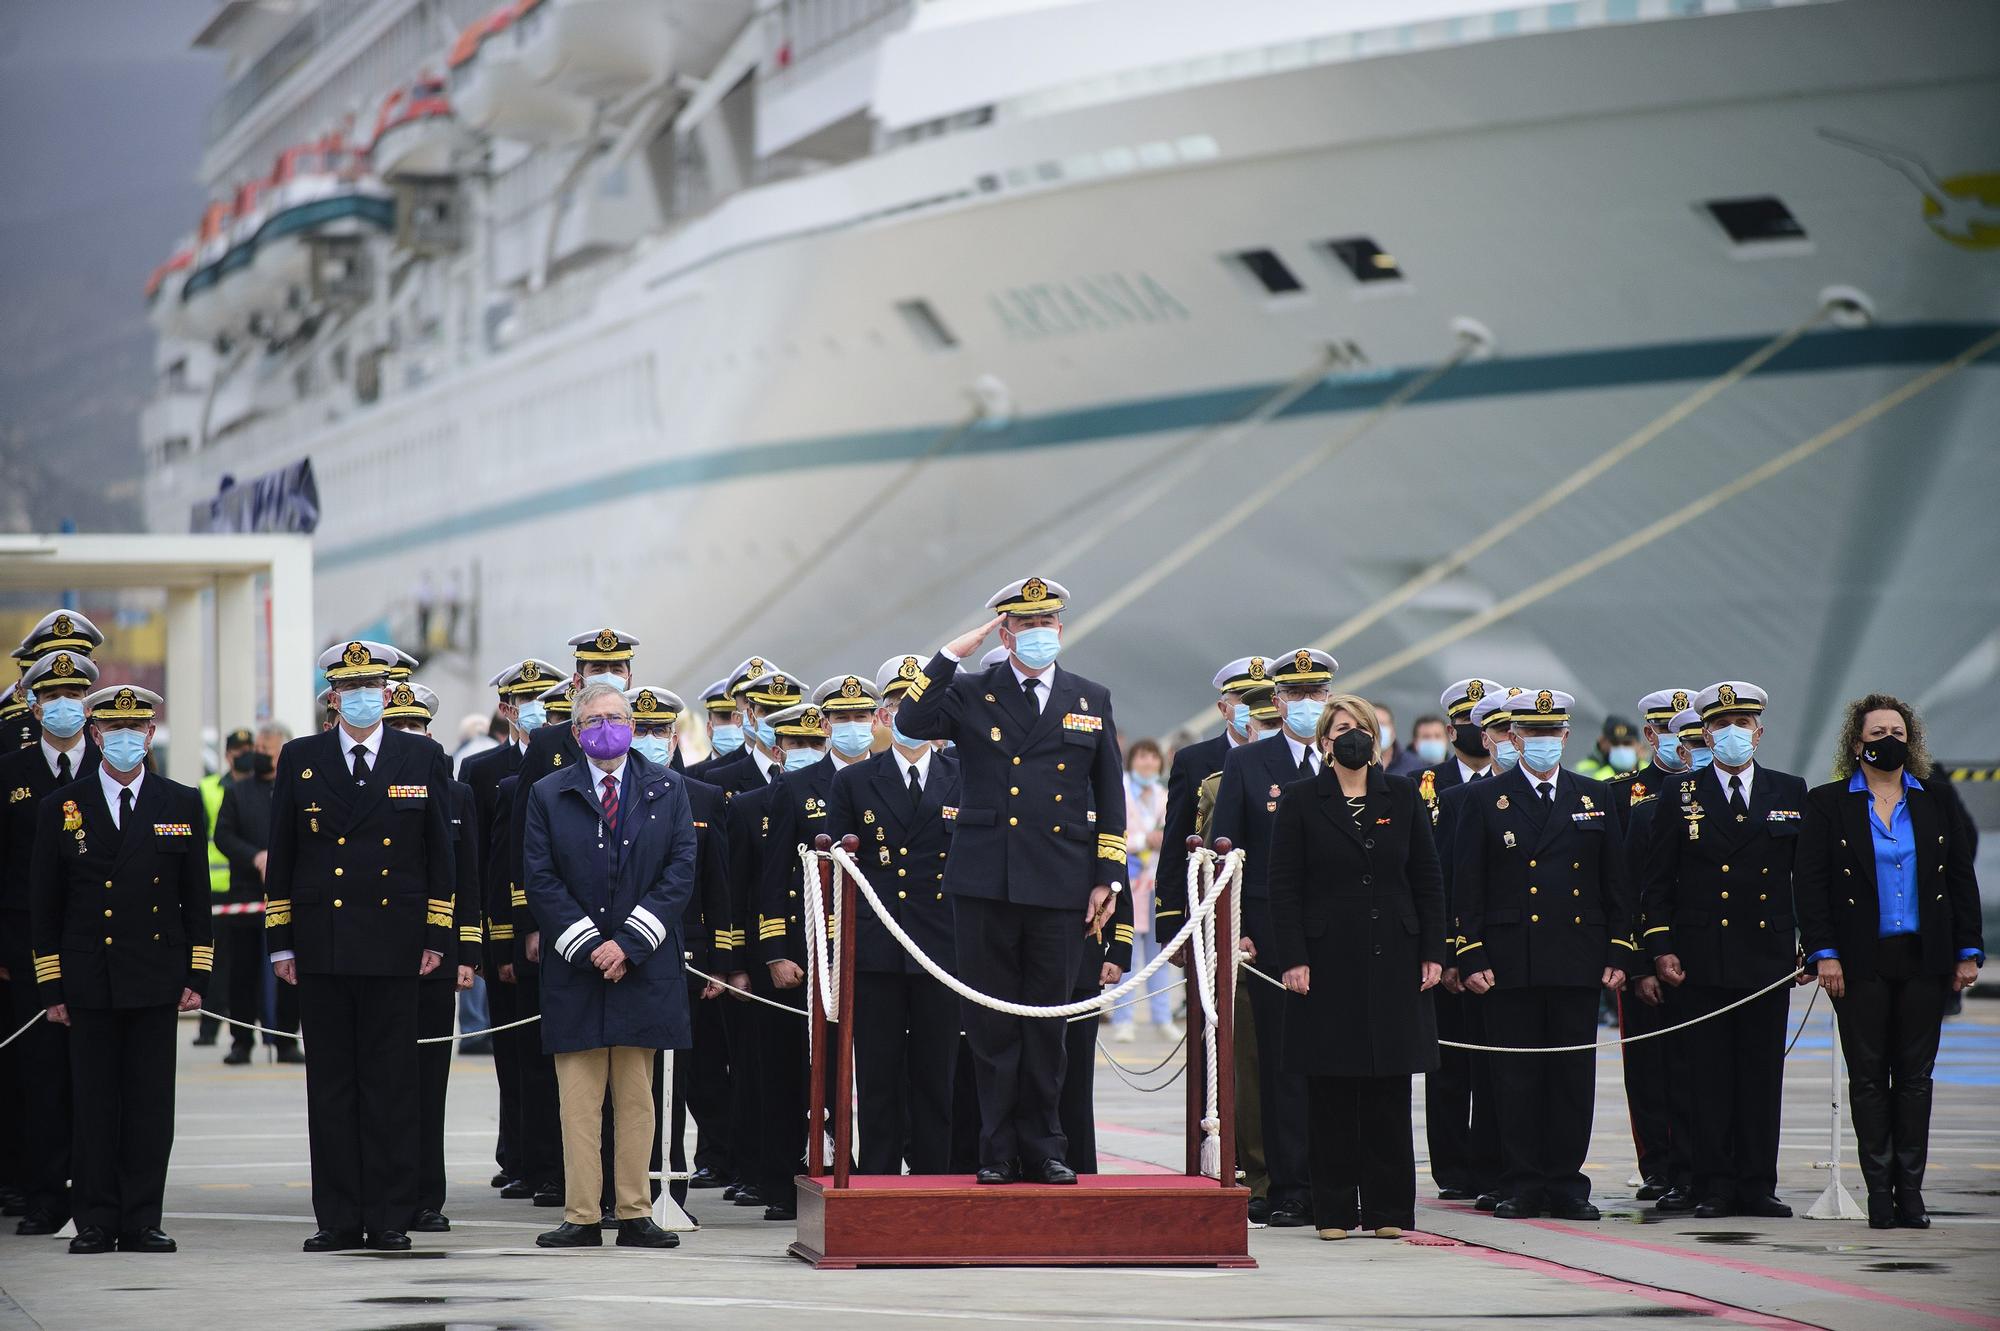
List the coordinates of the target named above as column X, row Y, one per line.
column 235, row 300
column 595, row 48
column 163, row 292
column 493, row 92
column 316, row 190
column 201, row 307
column 415, row 132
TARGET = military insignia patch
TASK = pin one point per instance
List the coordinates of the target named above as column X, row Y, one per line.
column 172, row 829
column 1500, row 803
column 530, row 672
column 1680, row 700
column 1256, row 667
column 850, row 687
column 1587, row 804
column 1034, row 590
column 1276, row 790
column 1726, row 696
column 72, row 817
column 1083, row 722
column 607, row 641
column 355, row 655
column 950, row 812
column 994, row 733
column 1638, row 790
column 885, row 856
column 1545, row 701
column 1427, row 789
column 556, row 760
column 1475, row 691
column 409, row 792
column 402, row 697
column 19, row 793
column 1303, row 660
column 62, row 666
column 868, row 815
column 306, row 775
column 907, row 670
column 1507, row 840
column 63, row 626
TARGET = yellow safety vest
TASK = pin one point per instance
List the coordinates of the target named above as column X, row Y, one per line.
column 218, row 863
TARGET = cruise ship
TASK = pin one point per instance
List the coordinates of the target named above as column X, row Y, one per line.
column 1599, row 343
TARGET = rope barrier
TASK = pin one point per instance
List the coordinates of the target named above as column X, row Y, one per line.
column 22, row 1029
column 1602, row 1044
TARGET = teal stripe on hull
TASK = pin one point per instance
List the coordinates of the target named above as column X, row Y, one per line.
column 1889, row 347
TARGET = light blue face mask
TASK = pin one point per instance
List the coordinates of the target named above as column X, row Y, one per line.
column 797, row 759
column 1669, row 750
column 1622, row 757
column 1239, row 720
column 1733, row 745
column 1505, row 757
column 62, row 717
column 1431, row 752
column 531, row 715
column 1302, row 716
column 653, row 748
column 124, row 750
column 1037, row 647
column 853, row 738
column 361, row 708
column 1543, row 753
column 726, row 738
column 904, row 740
column 766, row 736
column 605, row 677
column 1699, row 758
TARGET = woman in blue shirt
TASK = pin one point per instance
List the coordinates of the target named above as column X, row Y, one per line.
column 1888, row 908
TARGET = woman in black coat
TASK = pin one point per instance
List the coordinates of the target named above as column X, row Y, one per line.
column 1358, row 902
column 1888, row 909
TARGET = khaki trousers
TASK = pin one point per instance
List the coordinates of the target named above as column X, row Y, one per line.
column 581, row 1079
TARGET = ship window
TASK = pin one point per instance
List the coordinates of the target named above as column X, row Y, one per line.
column 1269, row 270
column 930, row 330
column 1762, row 218
column 1365, row 260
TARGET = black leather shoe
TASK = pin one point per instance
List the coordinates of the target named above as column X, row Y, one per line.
column 147, row 1240
column 389, row 1240
column 41, row 1222
column 238, row 1055
column 705, row 1177
column 91, row 1239
column 428, row 1221
column 330, row 1240
column 1488, row 1202
column 1910, row 1212
column 500, row 1180
column 1574, row 1210
column 1260, row 1210
column 1289, row 1215
column 1651, row 1192
column 1715, row 1208
column 1881, row 1211
column 746, row 1195
column 567, row 1235
column 1678, row 1201
column 1007, row 1171
column 204, row 1041
column 13, row 1202
column 643, row 1233
column 517, row 1190
column 1456, row 1194
column 1770, row 1208
column 291, row 1054
column 548, row 1195
column 1517, row 1208
column 1053, row 1171
column 780, row 1213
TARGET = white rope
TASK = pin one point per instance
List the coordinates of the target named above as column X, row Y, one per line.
column 1201, row 887
column 819, row 945
column 1778, row 983
column 22, row 1029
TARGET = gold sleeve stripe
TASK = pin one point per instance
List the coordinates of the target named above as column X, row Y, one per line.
column 1467, row 948
column 437, row 920
column 501, row 933
column 518, row 896
column 444, row 906
column 1626, row 943
column 1656, row 929
column 1121, row 933
column 1114, row 854
column 468, row 933
column 48, row 968
column 274, row 918
column 202, row 958
column 771, row 929
column 1164, row 914
column 282, row 903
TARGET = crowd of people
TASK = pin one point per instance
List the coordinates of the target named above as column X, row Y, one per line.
column 615, row 901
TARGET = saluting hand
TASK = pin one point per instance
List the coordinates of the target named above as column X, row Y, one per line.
column 966, row 644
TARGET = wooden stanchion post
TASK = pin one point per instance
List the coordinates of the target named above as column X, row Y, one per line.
column 1225, row 1018
column 1196, row 1087
column 816, row 1162
column 843, row 1066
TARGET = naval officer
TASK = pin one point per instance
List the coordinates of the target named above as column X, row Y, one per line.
column 1037, row 859
column 1719, row 923
column 1193, row 764
column 359, row 901
column 1539, row 888
column 122, row 855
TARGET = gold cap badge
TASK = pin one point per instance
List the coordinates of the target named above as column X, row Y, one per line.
column 1475, row 691
column 850, row 687
column 908, row 670
column 1034, row 590
column 1726, row 696
column 606, row 640
column 1256, row 667
column 1545, row 701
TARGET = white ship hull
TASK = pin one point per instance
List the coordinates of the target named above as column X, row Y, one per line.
column 747, row 385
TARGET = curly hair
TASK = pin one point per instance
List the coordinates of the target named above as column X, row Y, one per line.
column 1919, row 761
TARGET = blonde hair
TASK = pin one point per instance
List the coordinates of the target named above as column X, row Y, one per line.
column 1357, row 707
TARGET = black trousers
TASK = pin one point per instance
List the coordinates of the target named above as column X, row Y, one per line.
column 964, row 1106
column 503, row 1006
column 1281, row 1095
column 905, row 1055
column 1079, row 1088
column 746, row 1084
column 1362, row 1152
column 361, row 1098
column 781, row 1061
column 541, row 1112
column 1682, row 1086
column 437, row 1014
column 122, row 1067
column 1460, row 1125
column 1025, row 954
column 1648, row 1098
column 1545, row 1101
column 43, row 1095
column 1739, row 1059
column 1889, row 1028
column 704, row 1073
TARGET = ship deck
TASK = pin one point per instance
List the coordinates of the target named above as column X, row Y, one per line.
column 238, row 1203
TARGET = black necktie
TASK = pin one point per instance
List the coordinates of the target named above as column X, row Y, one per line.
column 124, row 807
column 1548, row 791
column 916, row 789
column 1306, row 768
column 1737, row 805
column 62, row 768
column 1028, row 692
column 360, row 752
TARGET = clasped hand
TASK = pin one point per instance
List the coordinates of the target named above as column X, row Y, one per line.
column 610, row 958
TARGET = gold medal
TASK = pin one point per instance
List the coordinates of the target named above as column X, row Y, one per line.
column 1500, row 803
column 995, row 732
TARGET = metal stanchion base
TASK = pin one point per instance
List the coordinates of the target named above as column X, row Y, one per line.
column 1836, row 1203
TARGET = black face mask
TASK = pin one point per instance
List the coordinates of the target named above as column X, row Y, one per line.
column 263, row 765
column 243, row 764
column 1885, row 754
column 1353, row 749
column 1467, row 739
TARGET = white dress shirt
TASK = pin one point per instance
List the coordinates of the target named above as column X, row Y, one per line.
column 922, row 766
column 1300, row 751
column 54, row 756
column 1467, row 773
column 112, row 788
column 373, row 745
column 1744, row 776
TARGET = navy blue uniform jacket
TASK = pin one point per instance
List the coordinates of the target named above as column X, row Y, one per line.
column 585, row 886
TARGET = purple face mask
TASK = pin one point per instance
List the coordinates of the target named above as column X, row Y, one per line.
column 607, row 739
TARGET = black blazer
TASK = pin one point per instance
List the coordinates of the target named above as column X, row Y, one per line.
column 903, row 852
column 1246, row 804
column 1193, row 764
column 1835, row 889
column 242, row 828
column 25, row 780
column 710, row 927
column 1363, row 906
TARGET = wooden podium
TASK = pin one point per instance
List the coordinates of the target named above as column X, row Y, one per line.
column 848, row 1220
